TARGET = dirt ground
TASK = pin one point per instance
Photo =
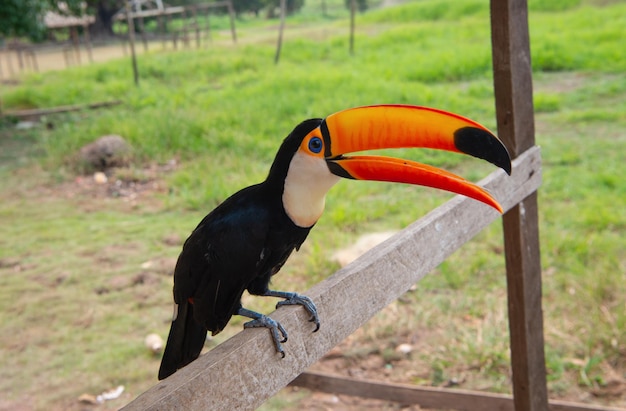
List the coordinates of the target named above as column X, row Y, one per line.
column 55, row 57
column 59, row 56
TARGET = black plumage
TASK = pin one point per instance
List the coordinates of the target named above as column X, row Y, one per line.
column 238, row 246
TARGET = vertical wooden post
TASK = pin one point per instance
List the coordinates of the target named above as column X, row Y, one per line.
column 231, row 14
column 142, row 28
column 185, row 18
column 76, row 43
column 194, row 14
column 86, row 33
column 87, row 42
column 208, row 26
column 131, row 40
column 20, row 58
column 161, row 30
column 33, row 60
column 283, row 12
column 514, row 111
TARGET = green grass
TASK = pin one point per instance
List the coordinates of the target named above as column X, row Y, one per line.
column 76, row 303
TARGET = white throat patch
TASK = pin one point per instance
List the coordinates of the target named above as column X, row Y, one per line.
column 308, row 180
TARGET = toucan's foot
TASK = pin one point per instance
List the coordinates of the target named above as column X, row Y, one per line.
column 260, row 320
column 297, row 299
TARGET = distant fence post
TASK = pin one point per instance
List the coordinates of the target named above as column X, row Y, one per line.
column 283, row 12
column 131, row 40
column 231, row 13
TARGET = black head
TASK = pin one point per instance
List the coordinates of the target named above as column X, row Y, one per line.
column 280, row 166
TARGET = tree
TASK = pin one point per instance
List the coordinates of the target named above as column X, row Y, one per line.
column 25, row 18
column 22, row 18
column 104, row 10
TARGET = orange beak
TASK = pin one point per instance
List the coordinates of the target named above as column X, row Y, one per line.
column 398, row 126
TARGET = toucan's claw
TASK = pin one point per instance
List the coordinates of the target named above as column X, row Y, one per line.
column 306, row 302
column 260, row 320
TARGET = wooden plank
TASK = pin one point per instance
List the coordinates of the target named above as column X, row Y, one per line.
column 150, row 13
column 245, row 370
column 431, row 397
column 514, row 112
column 36, row 113
column 556, row 405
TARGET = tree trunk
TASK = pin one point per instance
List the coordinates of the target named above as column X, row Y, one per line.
column 104, row 18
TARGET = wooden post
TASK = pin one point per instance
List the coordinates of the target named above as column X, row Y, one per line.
column 9, row 62
column 86, row 33
column 161, row 30
column 174, row 32
column 33, row 59
column 231, row 13
column 142, row 28
column 20, row 58
column 514, row 110
column 185, row 17
column 208, row 27
column 66, row 57
column 76, row 43
column 88, row 42
column 194, row 14
column 131, row 40
column 283, row 12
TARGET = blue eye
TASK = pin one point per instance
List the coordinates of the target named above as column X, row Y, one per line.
column 315, row 145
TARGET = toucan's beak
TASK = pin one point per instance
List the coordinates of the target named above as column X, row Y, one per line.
column 397, row 126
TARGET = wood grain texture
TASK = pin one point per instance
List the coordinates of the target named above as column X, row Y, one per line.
column 515, row 117
column 245, row 370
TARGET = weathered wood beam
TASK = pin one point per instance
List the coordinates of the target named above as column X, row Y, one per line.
column 245, row 370
column 431, row 397
column 515, row 116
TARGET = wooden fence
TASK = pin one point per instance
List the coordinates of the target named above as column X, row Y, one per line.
column 245, row 370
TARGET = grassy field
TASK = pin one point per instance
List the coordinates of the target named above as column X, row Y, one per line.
column 85, row 270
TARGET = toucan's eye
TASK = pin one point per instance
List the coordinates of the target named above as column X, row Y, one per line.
column 315, row 145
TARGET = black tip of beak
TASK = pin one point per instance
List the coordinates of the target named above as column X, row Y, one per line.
column 482, row 144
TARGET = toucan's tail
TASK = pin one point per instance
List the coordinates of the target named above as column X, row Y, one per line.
column 184, row 343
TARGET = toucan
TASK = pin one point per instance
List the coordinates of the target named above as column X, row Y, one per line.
column 245, row 240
